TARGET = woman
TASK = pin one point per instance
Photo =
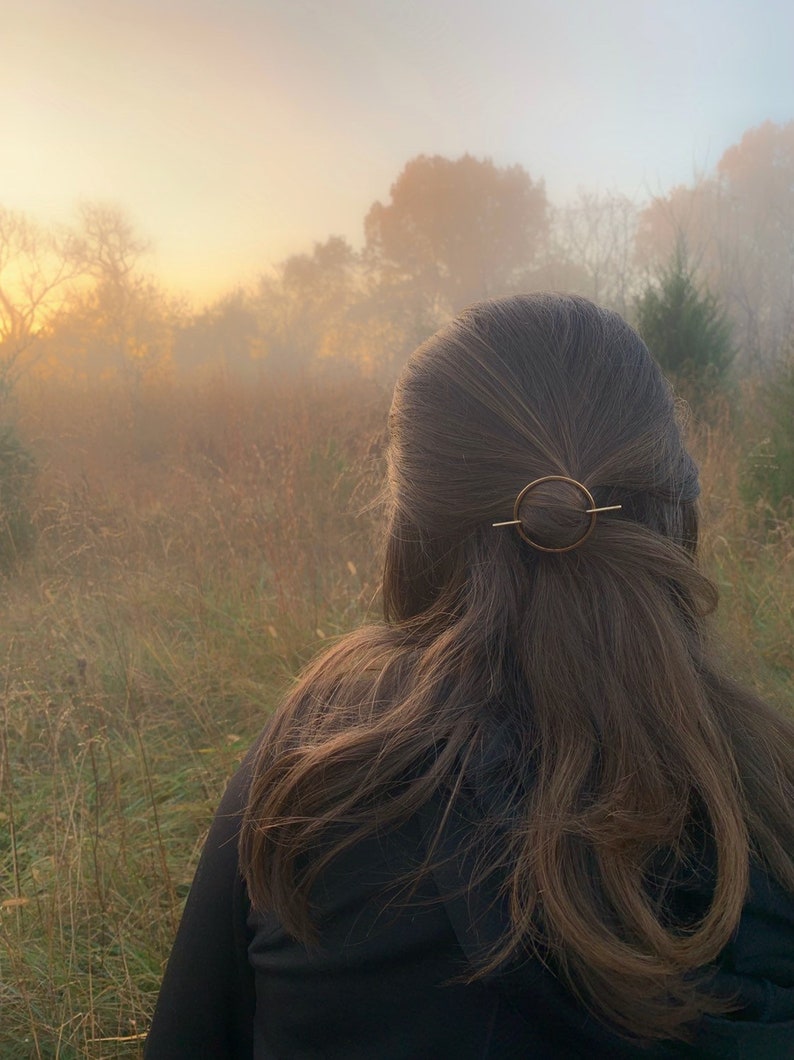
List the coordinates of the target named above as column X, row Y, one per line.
column 529, row 815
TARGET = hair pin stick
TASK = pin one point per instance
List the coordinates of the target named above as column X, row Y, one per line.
column 587, row 511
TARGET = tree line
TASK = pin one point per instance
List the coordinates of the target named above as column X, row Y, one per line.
column 78, row 301
column 706, row 271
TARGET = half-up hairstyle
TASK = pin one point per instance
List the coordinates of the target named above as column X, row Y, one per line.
column 627, row 762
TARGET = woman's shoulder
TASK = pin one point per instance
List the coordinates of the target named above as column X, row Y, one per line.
column 755, row 970
column 757, row 966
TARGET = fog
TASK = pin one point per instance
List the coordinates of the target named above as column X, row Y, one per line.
column 235, row 135
column 79, row 301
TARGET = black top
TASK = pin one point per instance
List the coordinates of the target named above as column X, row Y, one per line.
column 386, row 982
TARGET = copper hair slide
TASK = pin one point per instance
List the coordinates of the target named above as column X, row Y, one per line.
column 592, row 511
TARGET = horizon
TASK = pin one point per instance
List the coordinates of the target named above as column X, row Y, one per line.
column 233, row 138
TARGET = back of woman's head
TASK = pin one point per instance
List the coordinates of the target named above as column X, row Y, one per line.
column 512, row 391
column 569, row 689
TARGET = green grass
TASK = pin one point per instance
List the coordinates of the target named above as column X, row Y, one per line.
column 113, row 762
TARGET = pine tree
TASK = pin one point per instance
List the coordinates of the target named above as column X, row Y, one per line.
column 686, row 330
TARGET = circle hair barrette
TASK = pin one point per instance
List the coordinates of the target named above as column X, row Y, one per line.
column 590, row 510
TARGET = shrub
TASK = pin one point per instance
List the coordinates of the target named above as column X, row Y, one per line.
column 17, row 469
column 770, row 474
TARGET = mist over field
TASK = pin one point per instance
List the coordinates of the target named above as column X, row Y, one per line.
column 78, row 301
column 189, row 510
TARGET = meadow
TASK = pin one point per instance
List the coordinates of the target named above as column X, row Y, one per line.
column 195, row 545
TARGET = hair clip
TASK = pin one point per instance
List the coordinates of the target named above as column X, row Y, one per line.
column 592, row 511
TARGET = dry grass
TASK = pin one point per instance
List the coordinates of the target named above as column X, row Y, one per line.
column 194, row 547
column 749, row 552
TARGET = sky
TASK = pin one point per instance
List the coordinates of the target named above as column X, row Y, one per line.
column 235, row 132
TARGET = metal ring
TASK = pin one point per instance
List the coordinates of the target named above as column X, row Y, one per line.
column 556, row 478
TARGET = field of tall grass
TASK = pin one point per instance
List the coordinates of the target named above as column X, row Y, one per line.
column 195, row 546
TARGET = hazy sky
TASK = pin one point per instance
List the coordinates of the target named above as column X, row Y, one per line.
column 234, row 132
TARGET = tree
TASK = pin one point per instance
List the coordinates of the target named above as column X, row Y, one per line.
column 120, row 320
column 593, row 248
column 456, row 231
column 738, row 224
column 225, row 334
column 304, row 301
column 36, row 268
column 685, row 329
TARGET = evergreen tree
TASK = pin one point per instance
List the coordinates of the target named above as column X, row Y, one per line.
column 686, row 330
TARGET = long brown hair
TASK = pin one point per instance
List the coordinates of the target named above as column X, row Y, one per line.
column 627, row 760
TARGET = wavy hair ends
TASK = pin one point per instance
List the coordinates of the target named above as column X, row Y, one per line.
column 628, row 765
